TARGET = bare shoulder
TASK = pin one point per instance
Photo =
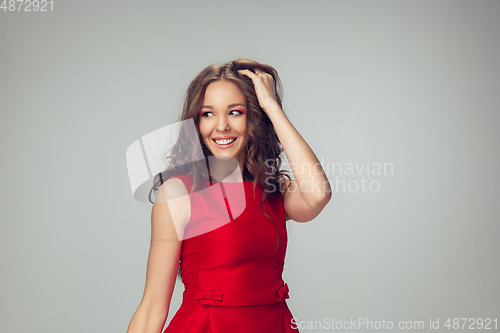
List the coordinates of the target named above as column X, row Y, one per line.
column 170, row 189
column 286, row 186
column 283, row 182
column 172, row 200
column 296, row 207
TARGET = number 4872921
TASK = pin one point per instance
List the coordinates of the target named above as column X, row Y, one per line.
column 27, row 5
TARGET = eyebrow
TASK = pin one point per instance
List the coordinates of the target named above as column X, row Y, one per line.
column 229, row 106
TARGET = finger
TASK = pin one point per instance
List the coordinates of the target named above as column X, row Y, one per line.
column 256, row 72
column 264, row 74
column 248, row 73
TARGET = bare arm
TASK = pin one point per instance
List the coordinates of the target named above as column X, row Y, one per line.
column 170, row 214
column 310, row 192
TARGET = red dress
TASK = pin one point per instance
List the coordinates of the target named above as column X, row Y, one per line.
column 232, row 275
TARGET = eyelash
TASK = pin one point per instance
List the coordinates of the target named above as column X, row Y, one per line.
column 204, row 113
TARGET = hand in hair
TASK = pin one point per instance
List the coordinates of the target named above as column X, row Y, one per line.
column 264, row 88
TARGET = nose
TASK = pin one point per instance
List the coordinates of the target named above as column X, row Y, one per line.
column 223, row 124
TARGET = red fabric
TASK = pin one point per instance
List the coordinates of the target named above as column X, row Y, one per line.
column 232, row 274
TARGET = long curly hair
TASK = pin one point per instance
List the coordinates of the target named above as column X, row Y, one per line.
column 263, row 152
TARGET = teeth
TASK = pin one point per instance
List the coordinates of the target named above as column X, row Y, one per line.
column 225, row 142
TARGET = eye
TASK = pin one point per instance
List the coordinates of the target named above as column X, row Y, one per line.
column 238, row 112
column 206, row 114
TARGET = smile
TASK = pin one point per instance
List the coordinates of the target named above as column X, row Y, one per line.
column 224, row 142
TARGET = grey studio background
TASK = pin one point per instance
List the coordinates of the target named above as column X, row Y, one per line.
column 410, row 83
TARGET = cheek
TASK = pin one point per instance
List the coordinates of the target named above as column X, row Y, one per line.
column 204, row 131
column 245, row 133
column 241, row 127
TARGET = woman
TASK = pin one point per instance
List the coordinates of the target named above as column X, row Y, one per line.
column 231, row 271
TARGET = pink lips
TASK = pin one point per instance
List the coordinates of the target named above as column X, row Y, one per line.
column 224, row 146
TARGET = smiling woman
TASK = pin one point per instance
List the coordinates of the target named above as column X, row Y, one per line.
column 223, row 123
column 232, row 274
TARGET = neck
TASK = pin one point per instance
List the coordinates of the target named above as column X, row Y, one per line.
column 224, row 169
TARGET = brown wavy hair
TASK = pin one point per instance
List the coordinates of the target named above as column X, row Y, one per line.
column 263, row 158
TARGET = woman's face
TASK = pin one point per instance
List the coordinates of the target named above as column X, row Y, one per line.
column 223, row 120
